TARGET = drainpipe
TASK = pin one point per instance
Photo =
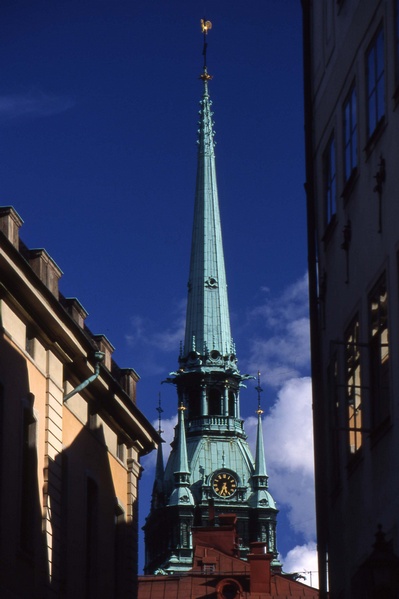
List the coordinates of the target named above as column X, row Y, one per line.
column 99, row 357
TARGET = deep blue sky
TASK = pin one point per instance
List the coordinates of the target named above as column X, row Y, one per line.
column 98, row 127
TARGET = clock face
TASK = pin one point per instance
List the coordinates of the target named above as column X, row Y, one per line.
column 224, row 484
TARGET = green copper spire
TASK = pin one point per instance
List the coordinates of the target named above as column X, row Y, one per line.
column 207, row 322
column 210, row 463
column 181, row 493
column 260, row 474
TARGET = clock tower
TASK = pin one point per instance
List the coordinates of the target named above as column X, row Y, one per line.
column 210, row 469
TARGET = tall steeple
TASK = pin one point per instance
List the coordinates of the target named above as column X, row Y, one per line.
column 208, row 348
column 207, row 329
column 210, row 469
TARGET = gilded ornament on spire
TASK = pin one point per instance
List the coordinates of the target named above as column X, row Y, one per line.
column 205, row 27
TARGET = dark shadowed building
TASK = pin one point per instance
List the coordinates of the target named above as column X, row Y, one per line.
column 351, row 58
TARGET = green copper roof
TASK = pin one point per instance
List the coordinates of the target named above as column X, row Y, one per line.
column 260, row 474
column 181, row 494
column 207, row 321
column 260, row 460
column 210, row 442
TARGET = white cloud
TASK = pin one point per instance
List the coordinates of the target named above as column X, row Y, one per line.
column 280, row 346
column 280, row 349
column 292, row 304
column 288, row 427
column 303, row 560
column 33, row 104
column 288, row 437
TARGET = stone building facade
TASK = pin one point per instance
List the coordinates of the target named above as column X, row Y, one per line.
column 71, row 438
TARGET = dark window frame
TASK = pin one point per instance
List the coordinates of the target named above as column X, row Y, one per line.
column 353, row 387
column 379, row 353
column 350, row 153
column 375, row 82
column 330, row 181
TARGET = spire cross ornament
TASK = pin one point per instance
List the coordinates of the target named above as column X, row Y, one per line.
column 205, row 27
column 259, row 389
column 159, row 410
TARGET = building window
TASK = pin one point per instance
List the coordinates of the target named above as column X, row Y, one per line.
column 120, row 450
column 30, row 343
column 92, row 417
column 350, row 134
column 29, row 493
column 215, row 402
column 232, row 404
column 194, row 403
column 379, row 352
column 330, row 181
column 353, row 387
column 375, row 82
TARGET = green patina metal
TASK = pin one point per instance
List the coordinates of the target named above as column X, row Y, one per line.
column 207, row 323
column 210, row 467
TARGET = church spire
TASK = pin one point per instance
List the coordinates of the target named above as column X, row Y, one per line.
column 207, row 322
column 210, row 463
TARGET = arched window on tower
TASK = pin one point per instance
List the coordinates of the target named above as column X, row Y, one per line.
column 215, row 402
column 194, row 403
column 232, row 404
